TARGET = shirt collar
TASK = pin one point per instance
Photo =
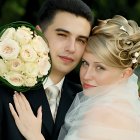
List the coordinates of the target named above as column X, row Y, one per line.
column 48, row 82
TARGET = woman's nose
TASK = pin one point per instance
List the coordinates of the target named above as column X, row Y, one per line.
column 89, row 74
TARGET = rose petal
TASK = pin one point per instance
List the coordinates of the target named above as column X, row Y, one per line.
column 9, row 49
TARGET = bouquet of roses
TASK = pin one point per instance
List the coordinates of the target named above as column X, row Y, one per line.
column 24, row 56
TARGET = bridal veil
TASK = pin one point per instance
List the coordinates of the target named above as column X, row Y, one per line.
column 104, row 113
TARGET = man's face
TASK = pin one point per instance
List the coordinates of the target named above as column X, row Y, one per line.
column 67, row 37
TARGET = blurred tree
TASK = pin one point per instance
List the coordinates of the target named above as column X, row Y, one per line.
column 12, row 10
column 1, row 4
column 31, row 15
column 107, row 8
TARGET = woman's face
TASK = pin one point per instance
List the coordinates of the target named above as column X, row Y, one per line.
column 94, row 72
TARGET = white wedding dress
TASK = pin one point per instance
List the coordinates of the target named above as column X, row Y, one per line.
column 105, row 113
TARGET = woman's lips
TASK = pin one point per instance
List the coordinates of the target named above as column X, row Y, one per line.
column 85, row 86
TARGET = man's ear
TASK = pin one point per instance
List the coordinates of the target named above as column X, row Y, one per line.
column 127, row 72
column 38, row 28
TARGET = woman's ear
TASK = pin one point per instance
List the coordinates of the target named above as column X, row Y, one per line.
column 127, row 72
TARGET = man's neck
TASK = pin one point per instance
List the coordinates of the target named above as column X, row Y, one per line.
column 56, row 77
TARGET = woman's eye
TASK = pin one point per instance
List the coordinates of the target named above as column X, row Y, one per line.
column 84, row 63
column 100, row 68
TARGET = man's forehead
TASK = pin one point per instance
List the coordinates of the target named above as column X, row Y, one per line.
column 76, row 26
column 64, row 18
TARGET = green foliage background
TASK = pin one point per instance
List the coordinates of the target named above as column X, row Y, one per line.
column 13, row 10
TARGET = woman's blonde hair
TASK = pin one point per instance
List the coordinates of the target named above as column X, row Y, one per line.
column 116, row 42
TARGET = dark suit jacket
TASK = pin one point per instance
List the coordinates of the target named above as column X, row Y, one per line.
column 8, row 129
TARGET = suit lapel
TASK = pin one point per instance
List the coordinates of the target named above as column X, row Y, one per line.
column 67, row 96
column 38, row 98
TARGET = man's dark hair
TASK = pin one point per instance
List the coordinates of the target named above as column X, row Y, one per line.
column 50, row 8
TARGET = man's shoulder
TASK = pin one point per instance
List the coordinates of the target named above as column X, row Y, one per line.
column 5, row 90
column 69, row 84
column 9, row 92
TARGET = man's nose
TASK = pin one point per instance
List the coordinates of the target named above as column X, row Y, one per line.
column 71, row 46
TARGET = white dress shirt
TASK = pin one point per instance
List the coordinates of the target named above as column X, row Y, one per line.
column 48, row 82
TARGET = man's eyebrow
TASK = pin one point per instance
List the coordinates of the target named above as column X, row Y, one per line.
column 63, row 30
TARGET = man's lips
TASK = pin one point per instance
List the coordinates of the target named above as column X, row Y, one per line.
column 66, row 59
column 85, row 85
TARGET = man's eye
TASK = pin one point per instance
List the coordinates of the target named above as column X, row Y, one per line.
column 84, row 42
column 63, row 35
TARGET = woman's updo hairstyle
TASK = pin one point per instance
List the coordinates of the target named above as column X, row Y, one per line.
column 117, row 42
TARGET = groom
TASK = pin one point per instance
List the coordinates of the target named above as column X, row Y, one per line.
column 66, row 24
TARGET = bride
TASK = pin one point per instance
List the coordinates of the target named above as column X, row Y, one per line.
column 109, row 106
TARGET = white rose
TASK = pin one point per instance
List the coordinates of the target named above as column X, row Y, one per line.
column 28, row 54
column 3, row 68
column 9, row 49
column 30, row 81
column 23, row 35
column 40, row 46
column 16, row 79
column 44, row 66
column 9, row 33
column 15, row 64
column 31, row 69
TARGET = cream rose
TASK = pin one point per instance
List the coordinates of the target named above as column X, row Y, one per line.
column 28, row 54
column 15, row 64
column 9, row 49
column 23, row 56
column 14, row 78
column 9, row 33
column 3, row 68
column 40, row 45
column 44, row 66
column 30, row 81
column 31, row 69
column 23, row 35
